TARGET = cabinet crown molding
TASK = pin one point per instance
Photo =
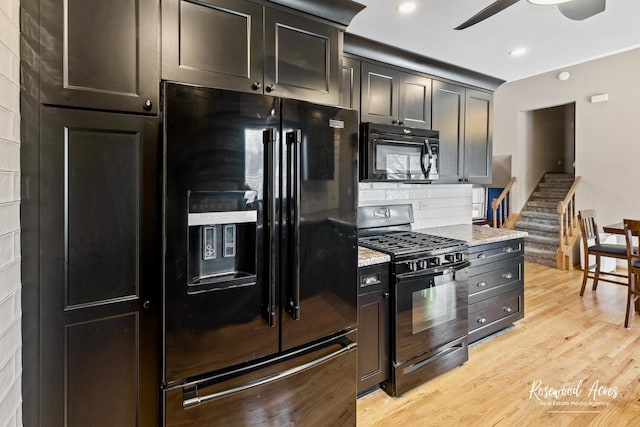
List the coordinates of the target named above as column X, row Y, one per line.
column 340, row 11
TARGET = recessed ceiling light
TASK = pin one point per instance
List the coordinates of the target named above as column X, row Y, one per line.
column 406, row 7
column 518, row 51
column 548, row 2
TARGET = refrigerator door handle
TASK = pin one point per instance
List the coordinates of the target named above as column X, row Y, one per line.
column 191, row 398
column 269, row 137
column 294, row 140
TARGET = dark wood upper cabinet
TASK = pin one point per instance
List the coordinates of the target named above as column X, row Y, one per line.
column 213, row 43
column 244, row 46
column 101, row 54
column 464, row 118
column 350, row 84
column 301, row 58
column 448, row 119
column 392, row 96
column 478, row 131
column 100, row 280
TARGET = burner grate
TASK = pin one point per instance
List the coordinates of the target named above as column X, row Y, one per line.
column 408, row 242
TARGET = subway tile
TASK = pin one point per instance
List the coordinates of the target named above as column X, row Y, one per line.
column 9, row 64
column 16, row 128
column 10, row 158
column 7, row 247
column 9, row 340
column 10, row 99
column 384, row 185
column 397, row 194
column 9, row 33
column 7, row 187
column 364, row 186
column 16, row 244
column 9, row 279
column 6, row 124
column 9, row 217
column 16, row 186
column 7, row 315
column 372, row 195
column 10, row 403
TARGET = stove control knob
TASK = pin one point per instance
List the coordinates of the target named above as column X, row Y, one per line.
column 412, row 266
column 450, row 257
column 422, row 264
column 434, row 262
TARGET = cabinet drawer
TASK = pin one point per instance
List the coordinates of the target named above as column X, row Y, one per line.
column 373, row 278
column 483, row 254
column 483, row 286
column 495, row 313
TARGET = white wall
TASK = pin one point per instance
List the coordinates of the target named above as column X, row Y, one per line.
column 433, row 205
column 10, row 308
column 607, row 134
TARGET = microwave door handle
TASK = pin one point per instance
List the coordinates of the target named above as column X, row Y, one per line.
column 424, row 161
column 269, row 139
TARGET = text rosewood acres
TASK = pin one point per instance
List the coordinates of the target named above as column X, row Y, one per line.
column 540, row 391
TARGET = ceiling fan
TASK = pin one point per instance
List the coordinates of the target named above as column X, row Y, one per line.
column 572, row 9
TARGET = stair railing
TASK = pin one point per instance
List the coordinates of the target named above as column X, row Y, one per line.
column 568, row 216
column 501, row 206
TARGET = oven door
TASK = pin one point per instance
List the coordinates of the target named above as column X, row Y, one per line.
column 430, row 311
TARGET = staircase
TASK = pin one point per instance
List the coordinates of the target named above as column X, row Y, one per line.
column 540, row 218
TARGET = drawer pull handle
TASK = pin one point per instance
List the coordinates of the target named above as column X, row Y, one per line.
column 507, row 309
column 482, row 320
column 508, row 250
column 371, row 280
column 481, row 284
column 508, row 275
column 482, row 255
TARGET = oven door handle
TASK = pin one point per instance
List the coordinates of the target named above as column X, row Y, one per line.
column 413, row 275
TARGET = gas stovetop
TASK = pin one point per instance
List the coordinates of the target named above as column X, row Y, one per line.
column 411, row 243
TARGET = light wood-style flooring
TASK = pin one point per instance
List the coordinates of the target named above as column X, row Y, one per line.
column 564, row 341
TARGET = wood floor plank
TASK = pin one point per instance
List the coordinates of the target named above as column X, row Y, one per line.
column 564, row 341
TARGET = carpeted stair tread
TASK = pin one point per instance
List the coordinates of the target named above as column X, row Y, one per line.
column 537, row 226
column 543, row 240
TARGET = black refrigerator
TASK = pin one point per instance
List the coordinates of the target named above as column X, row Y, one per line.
column 260, row 260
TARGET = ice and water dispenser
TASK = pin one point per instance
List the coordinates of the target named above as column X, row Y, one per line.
column 222, row 239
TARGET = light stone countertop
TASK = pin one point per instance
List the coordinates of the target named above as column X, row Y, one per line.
column 474, row 234
column 368, row 257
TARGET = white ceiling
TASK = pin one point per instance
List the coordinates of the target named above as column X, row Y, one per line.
column 553, row 41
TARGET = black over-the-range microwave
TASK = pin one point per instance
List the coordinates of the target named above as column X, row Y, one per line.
column 398, row 153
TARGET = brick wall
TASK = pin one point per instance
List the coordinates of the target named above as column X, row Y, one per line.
column 433, row 205
column 10, row 308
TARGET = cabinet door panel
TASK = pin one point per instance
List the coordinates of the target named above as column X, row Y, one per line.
column 350, row 84
column 448, row 118
column 215, row 43
column 100, row 276
column 415, row 101
column 478, row 141
column 379, row 94
column 101, row 54
column 301, row 58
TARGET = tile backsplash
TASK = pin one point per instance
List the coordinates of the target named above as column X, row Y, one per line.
column 10, row 286
column 433, row 205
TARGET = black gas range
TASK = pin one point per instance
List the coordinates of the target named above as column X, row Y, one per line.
column 429, row 295
column 414, row 252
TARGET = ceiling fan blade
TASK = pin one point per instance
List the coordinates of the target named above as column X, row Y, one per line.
column 487, row 12
column 579, row 10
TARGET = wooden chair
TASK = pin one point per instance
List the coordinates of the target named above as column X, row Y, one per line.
column 632, row 229
column 589, row 230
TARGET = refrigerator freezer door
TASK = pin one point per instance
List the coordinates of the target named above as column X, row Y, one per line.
column 219, row 229
column 316, row 388
column 320, row 236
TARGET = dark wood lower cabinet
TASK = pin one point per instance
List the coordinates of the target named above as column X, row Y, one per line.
column 373, row 326
column 100, row 279
column 496, row 287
